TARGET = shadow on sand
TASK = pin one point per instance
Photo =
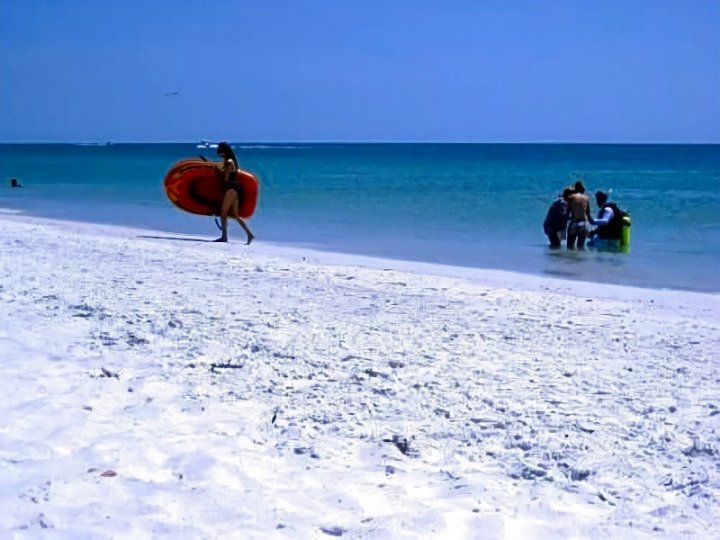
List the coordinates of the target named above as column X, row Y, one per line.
column 183, row 238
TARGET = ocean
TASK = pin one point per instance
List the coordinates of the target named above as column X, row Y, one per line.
column 474, row 205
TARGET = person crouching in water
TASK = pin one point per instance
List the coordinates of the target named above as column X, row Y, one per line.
column 231, row 201
column 579, row 205
column 555, row 224
column 609, row 222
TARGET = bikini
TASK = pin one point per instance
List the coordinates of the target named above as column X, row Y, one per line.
column 233, row 183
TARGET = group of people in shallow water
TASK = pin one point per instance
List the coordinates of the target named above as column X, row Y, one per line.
column 569, row 217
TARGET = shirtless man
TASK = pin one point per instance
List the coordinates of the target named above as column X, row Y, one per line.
column 579, row 206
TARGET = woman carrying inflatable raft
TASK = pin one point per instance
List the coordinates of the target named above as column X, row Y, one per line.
column 612, row 226
column 230, row 204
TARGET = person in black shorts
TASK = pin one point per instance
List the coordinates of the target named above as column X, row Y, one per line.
column 231, row 201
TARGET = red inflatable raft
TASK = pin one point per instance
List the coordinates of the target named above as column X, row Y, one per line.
column 198, row 187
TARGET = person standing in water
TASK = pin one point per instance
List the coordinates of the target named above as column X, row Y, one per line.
column 555, row 224
column 231, row 201
column 579, row 209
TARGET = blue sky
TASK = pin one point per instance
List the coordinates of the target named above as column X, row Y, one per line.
column 393, row 70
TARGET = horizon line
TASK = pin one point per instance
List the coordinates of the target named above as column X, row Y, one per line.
column 351, row 142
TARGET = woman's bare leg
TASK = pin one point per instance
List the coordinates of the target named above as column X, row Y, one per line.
column 227, row 205
column 236, row 213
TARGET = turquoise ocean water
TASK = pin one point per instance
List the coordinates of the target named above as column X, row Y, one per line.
column 476, row 205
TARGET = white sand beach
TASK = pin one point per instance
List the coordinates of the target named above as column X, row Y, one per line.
column 156, row 386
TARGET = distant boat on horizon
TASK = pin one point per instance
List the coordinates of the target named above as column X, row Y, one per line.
column 205, row 144
column 108, row 143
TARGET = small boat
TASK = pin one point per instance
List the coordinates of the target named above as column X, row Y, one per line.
column 204, row 144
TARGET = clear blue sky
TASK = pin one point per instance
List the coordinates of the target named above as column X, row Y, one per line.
column 365, row 70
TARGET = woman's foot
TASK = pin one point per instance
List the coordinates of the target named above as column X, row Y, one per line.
column 251, row 236
column 221, row 239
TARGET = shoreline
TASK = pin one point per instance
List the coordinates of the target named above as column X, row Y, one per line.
column 473, row 207
column 296, row 251
column 183, row 388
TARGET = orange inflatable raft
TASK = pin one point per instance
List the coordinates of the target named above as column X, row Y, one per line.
column 198, row 187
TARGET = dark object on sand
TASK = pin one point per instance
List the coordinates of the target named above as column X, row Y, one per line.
column 403, row 445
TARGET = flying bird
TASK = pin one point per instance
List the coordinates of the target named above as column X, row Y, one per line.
column 171, row 94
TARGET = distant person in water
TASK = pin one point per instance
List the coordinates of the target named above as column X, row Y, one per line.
column 15, row 183
column 231, row 201
column 579, row 210
column 556, row 219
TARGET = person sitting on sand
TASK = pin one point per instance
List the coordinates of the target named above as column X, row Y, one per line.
column 555, row 224
column 231, row 201
column 579, row 205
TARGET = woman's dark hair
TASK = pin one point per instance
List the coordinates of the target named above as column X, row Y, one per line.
column 567, row 192
column 579, row 188
column 227, row 152
column 601, row 197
